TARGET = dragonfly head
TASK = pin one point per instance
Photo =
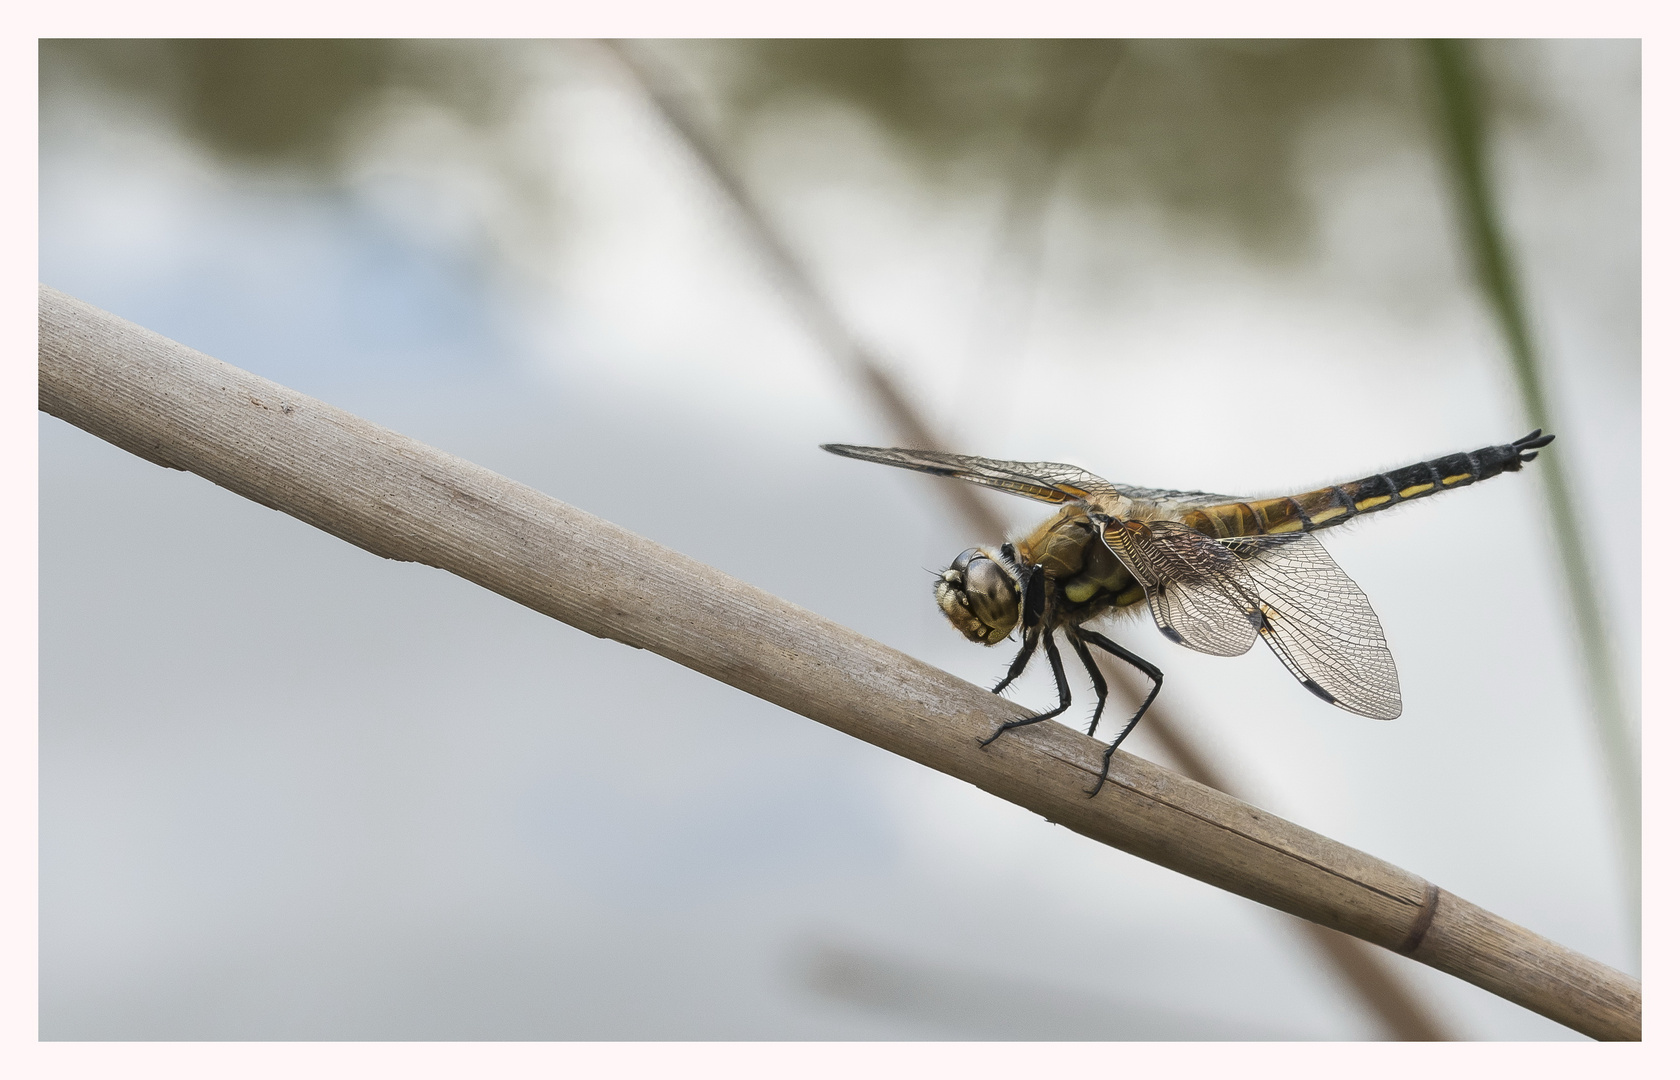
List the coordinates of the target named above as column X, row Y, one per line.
column 980, row 595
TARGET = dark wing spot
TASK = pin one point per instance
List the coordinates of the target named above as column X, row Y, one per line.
column 1257, row 618
column 1318, row 690
column 1172, row 635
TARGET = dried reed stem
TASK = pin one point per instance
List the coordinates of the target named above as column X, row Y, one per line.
column 1387, row 998
column 402, row 499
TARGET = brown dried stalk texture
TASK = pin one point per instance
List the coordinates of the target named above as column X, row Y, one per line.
column 1387, row 997
column 401, row 499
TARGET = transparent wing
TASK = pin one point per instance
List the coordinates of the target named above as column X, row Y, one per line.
column 1182, row 498
column 1319, row 623
column 1215, row 596
column 1046, row 481
column 1192, row 581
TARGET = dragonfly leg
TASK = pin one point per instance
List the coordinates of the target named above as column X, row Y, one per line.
column 1098, row 683
column 1062, row 691
column 1029, row 644
column 1150, row 670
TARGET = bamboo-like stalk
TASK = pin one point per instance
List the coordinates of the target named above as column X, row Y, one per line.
column 1397, row 1005
column 1386, row 997
column 401, row 499
column 1463, row 125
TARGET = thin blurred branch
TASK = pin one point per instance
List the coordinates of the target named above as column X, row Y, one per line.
column 856, row 359
column 1463, row 124
column 1049, row 133
column 401, row 499
column 1405, row 1017
column 1364, row 971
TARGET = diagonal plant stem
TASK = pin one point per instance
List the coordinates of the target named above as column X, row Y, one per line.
column 1050, row 132
column 401, row 499
column 1463, row 125
column 1400, row 1008
column 853, row 357
column 1384, row 995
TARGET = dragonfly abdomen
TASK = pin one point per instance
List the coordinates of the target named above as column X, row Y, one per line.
column 1320, row 509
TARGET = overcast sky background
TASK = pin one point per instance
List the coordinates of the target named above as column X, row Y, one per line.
column 291, row 790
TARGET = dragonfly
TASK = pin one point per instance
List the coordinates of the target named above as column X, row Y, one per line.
column 1216, row 572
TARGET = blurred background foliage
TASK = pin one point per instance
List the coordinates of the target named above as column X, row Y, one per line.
column 278, row 103
column 1205, row 130
column 1209, row 132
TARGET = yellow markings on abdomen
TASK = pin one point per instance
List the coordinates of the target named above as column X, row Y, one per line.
column 1278, row 515
column 1232, row 519
column 1339, row 503
column 1327, row 515
column 1269, row 517
column 1239, row 519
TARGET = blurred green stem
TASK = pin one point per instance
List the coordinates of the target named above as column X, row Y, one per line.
column 1463, row 130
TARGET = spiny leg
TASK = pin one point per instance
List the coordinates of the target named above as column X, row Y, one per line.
column 1029, row 643
column 1150, row 670
column 1032, row 615
column 1062, row 691
column 1098, row 683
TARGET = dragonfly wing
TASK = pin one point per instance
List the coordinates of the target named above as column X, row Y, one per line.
column 1160, row 496
column 1216, row 595
column 1194, row 583
column 1319, row 623
column 1046, row 481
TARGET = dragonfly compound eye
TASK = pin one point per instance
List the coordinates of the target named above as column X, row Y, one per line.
column 979, row 596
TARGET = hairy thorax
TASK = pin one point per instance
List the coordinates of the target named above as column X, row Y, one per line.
column 1087, row 579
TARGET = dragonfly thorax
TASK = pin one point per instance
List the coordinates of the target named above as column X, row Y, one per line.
column 1218, row 573
column 980, row 595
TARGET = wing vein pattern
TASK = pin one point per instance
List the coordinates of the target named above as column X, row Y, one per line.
column 1211, row 594
column 1217, row 595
